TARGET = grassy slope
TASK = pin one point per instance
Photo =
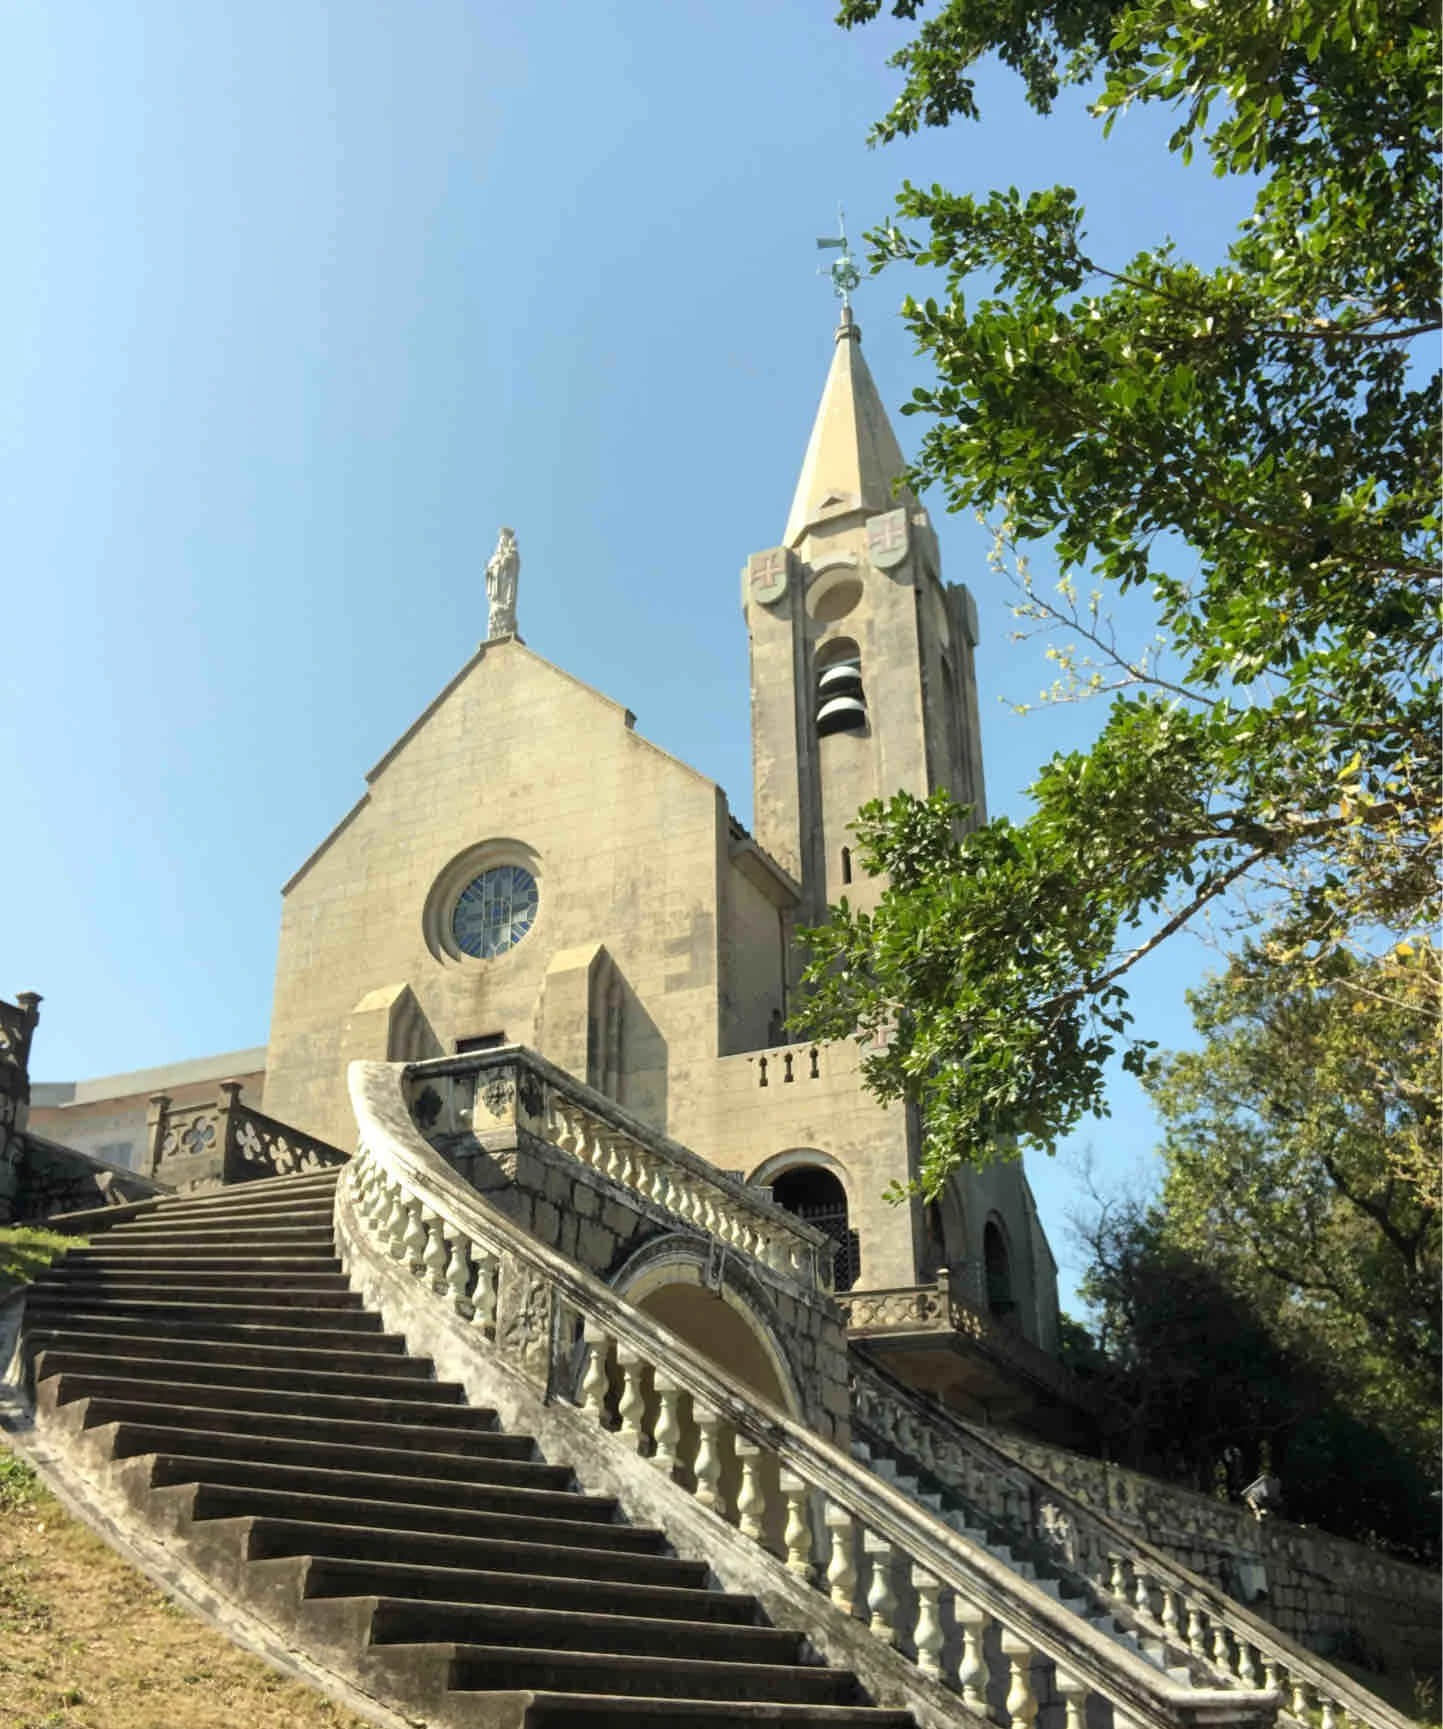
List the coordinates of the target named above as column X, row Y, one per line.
column 88, row 1643
column 26, row 1249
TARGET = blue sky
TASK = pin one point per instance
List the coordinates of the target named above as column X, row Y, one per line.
column 301, row 302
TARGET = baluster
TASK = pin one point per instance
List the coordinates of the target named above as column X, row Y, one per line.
column 1021, row 1703
column 483, row 1292
column 1074, row 1697
column 1117, row 1578
column 1196, row 1630
column 594, row 1383
column 707, row 1465
column 396, row 1223
column 841, row 1573
column 667, row 1430
column 413, row 1241
column 751, row 1497
column 615, row 1156
column 797, row 1536
column 458, row 1271
column 1222, row 1648
column 973, row 1673
column 1170, row 1623
column 632, row 1407
column 1142, row 1591
column 1328, row 1711
column 659, row 1183
column 1301, row 1703
column 928, row 1633
column 433, row 1256
column 1247, row 1671
column 1272, row 1678
column 881, row 1600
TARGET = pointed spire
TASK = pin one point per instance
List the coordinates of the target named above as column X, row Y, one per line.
column 853, row 456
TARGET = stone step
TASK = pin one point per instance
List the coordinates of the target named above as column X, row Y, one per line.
column 491, row 1667
column 143, row 1284
column 497, row 1485
column 262, row 1399
column 101, row 1258
column 389, row 1463
column 548, row 1710
column 399, row 1437
column 228, row 1206
column 560, row 1527
column 382, row 1352
column 181, row 1317
column 108, row 1372
column 161, row 1238
column 335, row 1577
column 212, row 1256
column 403, row 1621
column 272, row 1535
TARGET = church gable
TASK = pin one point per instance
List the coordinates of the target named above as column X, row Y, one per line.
column 519, row 816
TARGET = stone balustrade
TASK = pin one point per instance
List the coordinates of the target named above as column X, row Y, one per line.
column 503, row 1092
column 969, row 1627
column 204, row 1146
column 787, row 1064
column 938, row 1308
column 1106, row 1565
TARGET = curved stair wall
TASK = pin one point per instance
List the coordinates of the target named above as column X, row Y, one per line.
column 208, row 1366
column 1103, row 1572
column 927, row 1618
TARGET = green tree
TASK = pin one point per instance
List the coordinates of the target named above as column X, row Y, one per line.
column 1276, row 415
column 1302, row 1163
column 1202, row 1381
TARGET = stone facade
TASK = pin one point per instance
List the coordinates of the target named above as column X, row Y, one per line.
column 660, row 964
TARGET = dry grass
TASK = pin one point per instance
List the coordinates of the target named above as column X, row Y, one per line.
column 88, row 1643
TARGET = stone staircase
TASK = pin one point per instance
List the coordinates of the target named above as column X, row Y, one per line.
column 1024, row 1558
column 210, row 1357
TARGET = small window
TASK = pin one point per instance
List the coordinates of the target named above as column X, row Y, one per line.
column 481, row 1042
column 846, row 864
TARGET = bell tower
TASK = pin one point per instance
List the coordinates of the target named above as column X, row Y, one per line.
column 862, row 675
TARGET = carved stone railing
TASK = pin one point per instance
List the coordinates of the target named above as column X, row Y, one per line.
column 206, row 1146
column 17, row 1028
column 938, row 1309
column 1110, row 1568
column 514, row 1086
column 968, row 1628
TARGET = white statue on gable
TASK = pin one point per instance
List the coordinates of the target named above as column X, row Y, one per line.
column 502, row 570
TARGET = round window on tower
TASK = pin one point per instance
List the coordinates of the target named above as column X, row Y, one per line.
column 484, row 903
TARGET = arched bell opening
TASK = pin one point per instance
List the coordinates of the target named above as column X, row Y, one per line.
column 841, row 703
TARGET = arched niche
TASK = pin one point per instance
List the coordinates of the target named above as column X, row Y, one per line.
column 725, row 1323
column 997, row 1273
column 813, row 1185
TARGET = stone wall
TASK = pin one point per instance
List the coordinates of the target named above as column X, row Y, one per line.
column 53, row 1179
column 1335, row 1597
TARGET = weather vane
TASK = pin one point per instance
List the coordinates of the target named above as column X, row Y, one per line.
column 843, row 268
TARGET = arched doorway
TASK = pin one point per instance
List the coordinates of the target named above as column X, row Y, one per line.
column 816, row 1195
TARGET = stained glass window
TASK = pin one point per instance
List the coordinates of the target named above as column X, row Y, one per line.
column 495, row 911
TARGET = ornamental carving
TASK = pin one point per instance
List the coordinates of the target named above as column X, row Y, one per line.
column 497, row 1094
column 523, row 1318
